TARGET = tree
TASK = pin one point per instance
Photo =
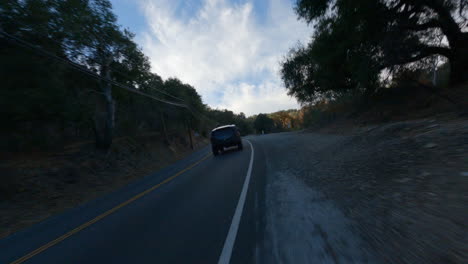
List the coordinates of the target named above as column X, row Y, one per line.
column 43, row 88
column 227, row 117
column 93, row 38
column 355, row 40
column 245, row 126
column 285, row 119
column 263, row 123
column 107, row 44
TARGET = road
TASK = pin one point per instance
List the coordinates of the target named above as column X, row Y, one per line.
column 240, row 207
column 286, row 198
column 185, row 220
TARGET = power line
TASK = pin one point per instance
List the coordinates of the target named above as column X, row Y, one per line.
column 96, row 61
column 80, row 68
column 84, row 70
column 157, row 90
column 195, row 113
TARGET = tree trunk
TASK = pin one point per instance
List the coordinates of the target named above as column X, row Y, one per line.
column 104, row 114
column 166, row 138
column 459, row 63
column 189, row 130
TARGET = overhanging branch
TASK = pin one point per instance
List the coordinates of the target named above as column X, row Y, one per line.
column 433, row 23
column 424, row 51
column 432, row 50
column 447, row 22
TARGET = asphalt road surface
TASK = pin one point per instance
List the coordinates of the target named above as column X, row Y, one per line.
column 239, row 207
column 189, row 218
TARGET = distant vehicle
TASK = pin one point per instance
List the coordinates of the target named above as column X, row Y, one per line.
column 224, row 137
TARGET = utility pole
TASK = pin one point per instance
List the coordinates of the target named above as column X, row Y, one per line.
column 104, row 119
column 166, row 138
column 189, row 133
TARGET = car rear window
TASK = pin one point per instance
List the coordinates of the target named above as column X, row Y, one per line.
column 223, row 133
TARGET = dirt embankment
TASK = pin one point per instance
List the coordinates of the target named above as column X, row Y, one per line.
column 37, row 185
column 404, row 185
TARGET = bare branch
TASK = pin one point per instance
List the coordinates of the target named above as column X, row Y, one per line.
column 424, row 51
column 461, row 7
column 433, row 23
column 447, row 22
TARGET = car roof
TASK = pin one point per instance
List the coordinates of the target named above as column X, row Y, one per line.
column 223, row 127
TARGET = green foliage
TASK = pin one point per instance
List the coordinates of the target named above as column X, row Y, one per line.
column 226, row 117
column 264, row 124
column 354, row 41
column 326, row 111
column 58, row 101
column 286, row 120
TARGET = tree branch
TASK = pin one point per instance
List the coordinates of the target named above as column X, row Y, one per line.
column 447, row 22
column 432, row 50
column 433, row 23
column 461, row 7
column 424, row 51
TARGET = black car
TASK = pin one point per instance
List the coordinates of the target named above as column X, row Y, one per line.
column 224, row 137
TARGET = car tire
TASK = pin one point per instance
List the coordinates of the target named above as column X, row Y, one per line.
column 215, row 151
column 240, row 146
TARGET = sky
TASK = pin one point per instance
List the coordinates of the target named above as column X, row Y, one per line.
column 229, row 50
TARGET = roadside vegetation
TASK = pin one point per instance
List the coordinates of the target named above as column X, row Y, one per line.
column 374, row 61
column 64, row 67
column 71, row 74
column 81, row 109
column 82, row 112
column 372, row 57
column 389, row 80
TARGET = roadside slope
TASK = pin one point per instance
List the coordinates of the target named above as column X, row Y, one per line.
column 398, row 191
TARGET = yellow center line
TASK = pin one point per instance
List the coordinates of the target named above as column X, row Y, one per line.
column 101, row 216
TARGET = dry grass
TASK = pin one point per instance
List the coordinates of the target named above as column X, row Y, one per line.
column 36, row 185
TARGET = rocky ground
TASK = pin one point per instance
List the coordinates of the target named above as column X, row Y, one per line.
column 391, row 193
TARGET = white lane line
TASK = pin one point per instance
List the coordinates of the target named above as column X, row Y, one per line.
column 231, row 237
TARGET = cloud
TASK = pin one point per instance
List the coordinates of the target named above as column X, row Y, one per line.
column 251, row 99
column 229, row 52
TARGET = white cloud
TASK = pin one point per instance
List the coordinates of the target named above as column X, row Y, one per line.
column 251, row 99
column 223, row 51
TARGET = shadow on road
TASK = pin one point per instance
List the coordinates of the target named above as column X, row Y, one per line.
column 229, row 151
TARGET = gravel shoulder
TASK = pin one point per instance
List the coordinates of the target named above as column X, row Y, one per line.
column 393, row 193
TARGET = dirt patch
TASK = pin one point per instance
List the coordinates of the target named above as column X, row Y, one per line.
column 37, row 185
column 404, row 185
